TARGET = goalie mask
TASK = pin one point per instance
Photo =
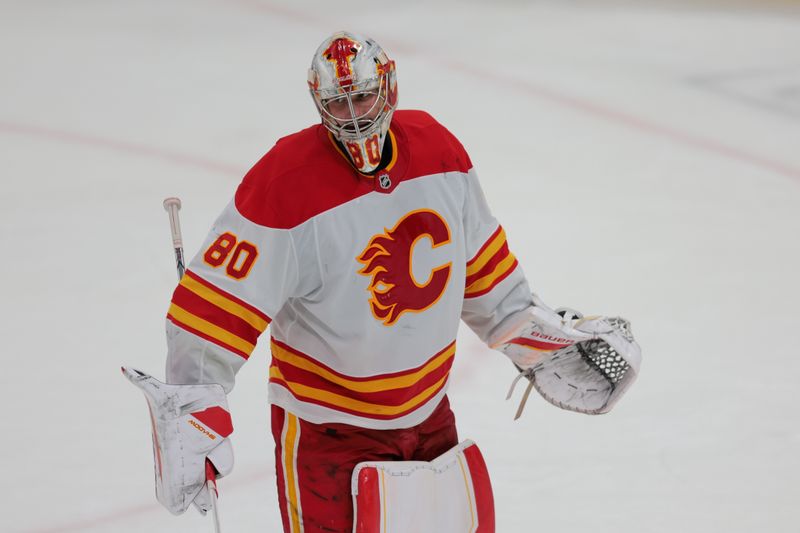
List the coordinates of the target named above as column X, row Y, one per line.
column 354, row 87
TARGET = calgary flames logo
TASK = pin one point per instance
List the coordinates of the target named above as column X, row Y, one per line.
column 340, row 53
column 388, row 259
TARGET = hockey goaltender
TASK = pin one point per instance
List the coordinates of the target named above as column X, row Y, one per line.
column 363, row 240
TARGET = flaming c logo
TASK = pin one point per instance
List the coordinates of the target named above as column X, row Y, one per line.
column 388, row 259
column 340, row 53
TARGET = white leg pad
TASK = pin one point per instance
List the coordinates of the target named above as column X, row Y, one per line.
column 451, row 494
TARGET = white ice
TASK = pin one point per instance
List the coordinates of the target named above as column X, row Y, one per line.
column 643, row 157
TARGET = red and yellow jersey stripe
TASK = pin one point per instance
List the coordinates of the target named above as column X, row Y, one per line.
column 492, row 264
column 216, row 316
column 383, row 397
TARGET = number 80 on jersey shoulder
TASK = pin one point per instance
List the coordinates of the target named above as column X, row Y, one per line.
column 237, row 256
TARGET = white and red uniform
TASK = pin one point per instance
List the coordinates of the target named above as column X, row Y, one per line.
column 363, row 279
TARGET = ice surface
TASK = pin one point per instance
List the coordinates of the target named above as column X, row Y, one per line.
column 644, row 160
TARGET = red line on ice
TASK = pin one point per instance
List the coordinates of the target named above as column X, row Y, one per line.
column 113, row 516
column 125, row 512
column 562, row 99
column 131, row 148
column 612, row 115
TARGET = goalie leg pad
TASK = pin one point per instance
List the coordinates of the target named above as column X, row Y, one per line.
column 450, row 494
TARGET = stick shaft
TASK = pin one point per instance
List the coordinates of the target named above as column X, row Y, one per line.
column 211, row 484
column 179, row 262
column 172, row 205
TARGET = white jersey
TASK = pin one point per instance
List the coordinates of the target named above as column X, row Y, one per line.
column 363, row 278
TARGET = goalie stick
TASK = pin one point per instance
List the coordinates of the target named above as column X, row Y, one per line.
column 172, row 205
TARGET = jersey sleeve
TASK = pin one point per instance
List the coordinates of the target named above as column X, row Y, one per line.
column 496, row 290
column 240, row 279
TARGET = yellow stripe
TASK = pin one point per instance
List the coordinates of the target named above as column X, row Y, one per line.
column 487, row 254
column 394, row 151
column 376, row 385
column 289, row 470
column 487, row 280
column 469, row 493
column 212, row 330
column 355, row 405
column 224, row 303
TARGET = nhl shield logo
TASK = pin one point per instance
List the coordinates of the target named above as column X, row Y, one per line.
column 385, row 181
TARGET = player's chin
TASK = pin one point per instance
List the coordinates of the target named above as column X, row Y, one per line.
column 349, row 127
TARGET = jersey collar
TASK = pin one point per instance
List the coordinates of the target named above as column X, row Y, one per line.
column 386, row 179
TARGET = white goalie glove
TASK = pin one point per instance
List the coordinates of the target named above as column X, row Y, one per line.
column 190, row 425
column 575, row 363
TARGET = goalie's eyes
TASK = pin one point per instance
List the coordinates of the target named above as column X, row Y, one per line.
column 363, row 103
column 363, row 97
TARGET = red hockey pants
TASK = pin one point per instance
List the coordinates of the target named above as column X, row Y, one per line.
column 315, row 462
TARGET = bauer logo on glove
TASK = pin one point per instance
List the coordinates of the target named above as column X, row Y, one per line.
column 575, row 363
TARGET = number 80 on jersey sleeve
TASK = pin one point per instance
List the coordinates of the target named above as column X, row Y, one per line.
column 237, row 256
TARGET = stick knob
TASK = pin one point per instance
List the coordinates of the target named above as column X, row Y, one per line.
column 172, row 205
column 172, row 200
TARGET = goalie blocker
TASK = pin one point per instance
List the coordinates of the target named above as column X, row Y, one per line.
column 190, row 426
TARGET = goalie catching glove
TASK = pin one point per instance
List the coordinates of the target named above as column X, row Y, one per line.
column 575, row 363
column 190, row 425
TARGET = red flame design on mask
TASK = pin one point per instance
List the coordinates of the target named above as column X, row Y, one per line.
column 390, row 87
column 340, row 53
column 387, row 258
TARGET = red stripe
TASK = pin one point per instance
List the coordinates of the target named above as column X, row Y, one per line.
column 216, row 419
column 312, row 359
column 485, row 245
column 156, row 444
column 482, row 485
column 489, row 267
column 276, row 421
column 206, row 337
column 352, row 411
column 368, row 501
column 494, row 283
column 206, row 310
column 391, row 397
column 228, row 295
column 542, row 345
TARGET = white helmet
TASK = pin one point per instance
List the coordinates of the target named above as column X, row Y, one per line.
column 354, row 86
